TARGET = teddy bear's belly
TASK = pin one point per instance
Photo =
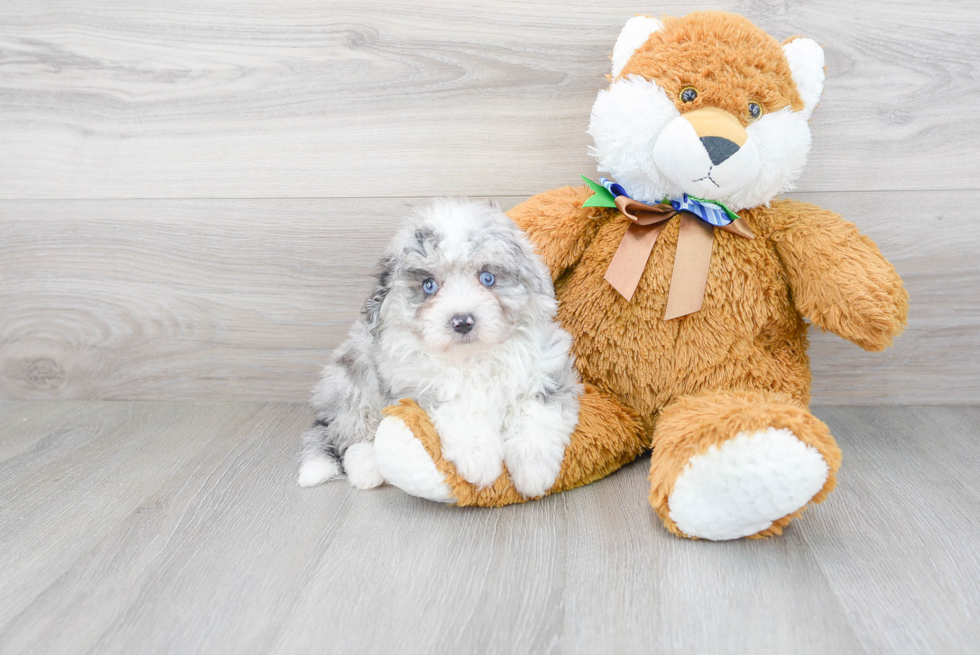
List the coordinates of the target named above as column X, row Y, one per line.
column 747, row 334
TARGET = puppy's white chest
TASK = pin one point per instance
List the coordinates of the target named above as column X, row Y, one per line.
column 472, row 389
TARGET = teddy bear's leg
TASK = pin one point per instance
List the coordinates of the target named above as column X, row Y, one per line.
column 738, row 464
column 607, row 437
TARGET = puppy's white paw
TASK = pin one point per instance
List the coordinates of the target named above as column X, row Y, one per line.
column 533, row 479
column 404, row 462
column 470, row 440
column 362, row 467
column 480, row 462
column 317, row 470
column 535, row 446
column 743, row 486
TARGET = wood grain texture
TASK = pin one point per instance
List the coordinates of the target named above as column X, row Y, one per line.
column 178, row 527
column 244, row 299
column 201, row 565
column 61, row 496
column 632, row 587
column 29, row 422
column 163, row 300
column 176, row 99
column 904, row 528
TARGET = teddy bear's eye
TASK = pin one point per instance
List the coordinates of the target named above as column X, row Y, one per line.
column 755, row 111
column 688, row 94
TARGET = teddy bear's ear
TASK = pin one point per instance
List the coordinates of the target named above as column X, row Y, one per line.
column 806, row 63
column 635, row 33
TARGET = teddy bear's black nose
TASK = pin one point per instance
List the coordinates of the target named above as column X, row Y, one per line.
column 719, row 148
column 463, row 323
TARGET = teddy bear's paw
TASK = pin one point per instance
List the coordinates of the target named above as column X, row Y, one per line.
column 740, row 488
column 403, row 461
column 362, row 467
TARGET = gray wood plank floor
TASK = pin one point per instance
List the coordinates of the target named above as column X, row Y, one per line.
column 131, row 527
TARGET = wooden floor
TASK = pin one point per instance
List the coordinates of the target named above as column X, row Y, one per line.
column 130, row 527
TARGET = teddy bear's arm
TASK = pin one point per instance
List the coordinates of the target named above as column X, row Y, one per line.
column 838, row 277
column 558, row 226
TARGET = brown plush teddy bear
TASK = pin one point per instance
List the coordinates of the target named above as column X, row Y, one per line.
column 685, row 284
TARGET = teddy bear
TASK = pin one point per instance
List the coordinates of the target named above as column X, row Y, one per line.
column 685, row 284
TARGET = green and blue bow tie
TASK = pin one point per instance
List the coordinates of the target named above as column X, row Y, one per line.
column 712, row 212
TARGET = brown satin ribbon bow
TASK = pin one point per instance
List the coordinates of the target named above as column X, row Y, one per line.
column 691, row 259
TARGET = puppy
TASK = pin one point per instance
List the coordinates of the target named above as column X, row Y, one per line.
column 461, row 321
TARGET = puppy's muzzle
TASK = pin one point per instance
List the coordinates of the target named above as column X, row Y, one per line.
column 721, row 134
column 462, row 323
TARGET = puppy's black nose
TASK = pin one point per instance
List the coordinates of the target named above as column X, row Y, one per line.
column 719, row 148
column 463, row 323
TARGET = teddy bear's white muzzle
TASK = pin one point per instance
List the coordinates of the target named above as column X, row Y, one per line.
column 706, row 166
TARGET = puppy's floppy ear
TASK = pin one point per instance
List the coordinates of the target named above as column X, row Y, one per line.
column 531, row 269
column 806, row 61
column 372, row 306
column 635, row 33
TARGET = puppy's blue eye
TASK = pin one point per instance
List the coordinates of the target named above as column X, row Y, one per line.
column 487, row 279
column 429, row 287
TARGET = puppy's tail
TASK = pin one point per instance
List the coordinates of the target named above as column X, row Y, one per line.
column 321, row 459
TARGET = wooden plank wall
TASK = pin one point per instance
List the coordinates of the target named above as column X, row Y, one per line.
column 192, row 194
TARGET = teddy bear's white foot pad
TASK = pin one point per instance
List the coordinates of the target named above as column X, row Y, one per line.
column 404, row 462
column 741, row 487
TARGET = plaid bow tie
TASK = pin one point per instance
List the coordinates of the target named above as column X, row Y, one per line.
column 698, row 217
